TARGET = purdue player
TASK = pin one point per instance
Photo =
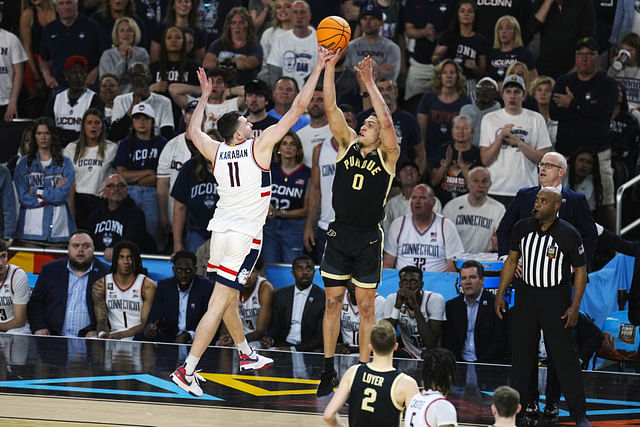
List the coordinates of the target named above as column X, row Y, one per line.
column 376, row 392
column 350, row 320
column 240, row 166
column 365, row 168
column 122, row 299
column 14, row 295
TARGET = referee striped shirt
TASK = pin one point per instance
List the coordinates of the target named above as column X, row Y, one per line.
column 547, row 256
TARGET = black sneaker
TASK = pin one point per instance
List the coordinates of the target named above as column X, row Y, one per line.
column 581, row 420
column 551, row 410
column 532, row 409
column 328, row 381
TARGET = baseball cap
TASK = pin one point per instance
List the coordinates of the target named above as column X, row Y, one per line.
column 142, row 108
column 191, row 105
column 257, row 87
column 370, row 8
column 589, row 42
column 513, row 79
column 73, row 60
column 487, row 80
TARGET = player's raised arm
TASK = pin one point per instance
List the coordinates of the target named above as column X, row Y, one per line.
column 339, row 127
column 201, row 140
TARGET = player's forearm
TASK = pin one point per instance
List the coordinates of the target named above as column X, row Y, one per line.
column 430, row 331
column 379, row 106
column 12, row 324
column 303, row 99
column 329, row 87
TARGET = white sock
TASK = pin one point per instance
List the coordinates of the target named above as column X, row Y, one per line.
column 190, row 364
column 244, row 348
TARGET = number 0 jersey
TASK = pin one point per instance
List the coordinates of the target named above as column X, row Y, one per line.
column 124, row 306
column 371, row 400
column 360, row 187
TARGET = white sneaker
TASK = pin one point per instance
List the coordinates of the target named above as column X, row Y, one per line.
column 254, row 361
column 190, row 385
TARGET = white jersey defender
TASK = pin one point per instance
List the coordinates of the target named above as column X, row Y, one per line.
column 124, row 305
column 14, row 289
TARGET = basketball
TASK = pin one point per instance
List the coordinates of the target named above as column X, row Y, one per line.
column 333, row 33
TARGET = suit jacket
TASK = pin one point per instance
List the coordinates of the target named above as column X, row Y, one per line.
column 165, row 306
column 311, row 318
column 574, row 210
column 48, row 302
column 490, row 332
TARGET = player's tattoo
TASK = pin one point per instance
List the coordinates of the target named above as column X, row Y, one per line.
column 100, row 306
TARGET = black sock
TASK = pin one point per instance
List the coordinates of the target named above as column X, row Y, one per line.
column 363, row 363
column 328, row 364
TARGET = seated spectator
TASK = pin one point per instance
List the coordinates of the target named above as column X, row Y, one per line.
column 183, row 14
column 61, row 302
column 584, row 176
column 122, row 299
column 486, row 94
column 7, row 206
column 238, row 48
column 125, row 51
column 15, row 295
column 140, row 78
column 456, row 159
column 512, row 141
column 473, row 332
column 541, row 89
column 508, row 49
column 34, row 17
column 110, row 12
column 520, row 69
column 350, row 321
column 284, row 92
column 475, row 214
column 298, row 310
column 118, row 219
column 92, row 157
column 423, row 239
column 109, row 89
column 43, row 180
column 67, row 107
column 284, row 228
column 255, row 305
column 137, row 161
column 624, row 137
column 419, row 314
column 179, row 302
column 12, row 65
column 505, row 406
column 256, row 95
column 280, row 24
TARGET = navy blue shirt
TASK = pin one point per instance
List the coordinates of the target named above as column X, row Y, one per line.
column 498, row 61
column 464, row 48
column 420, row 13
column 145, row 154
column 200, row 198
column 288, row 190
column 249, row 49
column 258, row 127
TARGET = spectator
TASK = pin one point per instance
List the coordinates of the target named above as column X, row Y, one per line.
column 256, row 95
column 281, row 23
column 71, row 34
column 126, row 37
column 438, row 108
column 211, row 17
column 423, row 239
column 151, row 12
column 12, row 63
column 486, row 94
column 117, row 219
column 508, row 49
column 67, row 107
column 317, row 131
column 34, row 17
column 61, row 303
column 473, row 332
column 624, row 136
column 284, row 92
column 297, row 312
column 629, row 73
column 109, row 89
column 350, row 321
column 541, row 89
column 179, row 302
column 122, row 299
column 456, row 159
column 92, row 157
column 7, row 206
column 260, row 13
column 505, row 406
column 15, row 294
column 195, row 197
column 490, row 15
column 238, row 48
column 294, row 53
column 559, row 27
column 475, row 214
column 623, row 22
column 140, row 78
column 182, row 14
column 464, row 45
column 111, row 11
column 520, row 69
column 384, row 51
column 43, row 179
column 583, row 102
column 407, row 128
column 512, row 142
column 137, row 161
column 420, row 315
column 584, row 176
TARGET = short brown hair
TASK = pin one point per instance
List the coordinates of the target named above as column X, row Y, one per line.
column 383, row 337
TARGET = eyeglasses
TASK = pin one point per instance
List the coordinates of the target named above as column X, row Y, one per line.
column 545, row 165
column 112, row 186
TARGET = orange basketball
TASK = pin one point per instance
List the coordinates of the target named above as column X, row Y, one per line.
column 333, row 33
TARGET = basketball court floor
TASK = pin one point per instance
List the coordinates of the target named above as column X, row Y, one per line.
column 52, row 381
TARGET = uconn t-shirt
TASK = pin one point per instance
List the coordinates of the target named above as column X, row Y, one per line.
column 144, row 155
column 200, row 198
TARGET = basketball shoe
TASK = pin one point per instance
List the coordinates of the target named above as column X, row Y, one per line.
column 328, row 381
column 188, row 383
column 254, row 361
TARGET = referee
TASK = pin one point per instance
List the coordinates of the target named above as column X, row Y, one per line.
column 549, row 247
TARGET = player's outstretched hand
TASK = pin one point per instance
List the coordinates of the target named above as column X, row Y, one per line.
column 364, row 69
column 333, row 56
column 324, row 57
column 205, row 83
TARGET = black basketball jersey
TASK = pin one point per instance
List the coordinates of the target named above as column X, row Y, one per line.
column 370, row 402
column 360, row 188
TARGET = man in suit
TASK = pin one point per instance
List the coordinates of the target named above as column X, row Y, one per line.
column 298, row 310
column 472, row 331
column 61, row 302
column 179, row 303
column 574, row 208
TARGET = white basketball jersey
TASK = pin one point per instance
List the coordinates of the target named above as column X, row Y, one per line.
column 70, row 117
column 350, row 319
column 327, row 165
column 14, row 289
column 408, row 325
column 424, row 250
column 250, row 308
column 244, row 189
column 430, row 409
column 124, row 306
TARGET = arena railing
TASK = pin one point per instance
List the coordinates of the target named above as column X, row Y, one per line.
column 624, row 187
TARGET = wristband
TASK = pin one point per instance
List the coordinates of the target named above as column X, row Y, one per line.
column 395, row 313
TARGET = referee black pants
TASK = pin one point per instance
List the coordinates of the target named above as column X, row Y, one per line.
column 541, row 308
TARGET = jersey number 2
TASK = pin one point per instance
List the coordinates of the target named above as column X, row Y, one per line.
column 370, row 396
column 234, row 174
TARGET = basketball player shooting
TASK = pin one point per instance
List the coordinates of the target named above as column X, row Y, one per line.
column 241, row 168
column 365, row 167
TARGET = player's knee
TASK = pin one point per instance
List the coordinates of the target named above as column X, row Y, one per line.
column 366, row 308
